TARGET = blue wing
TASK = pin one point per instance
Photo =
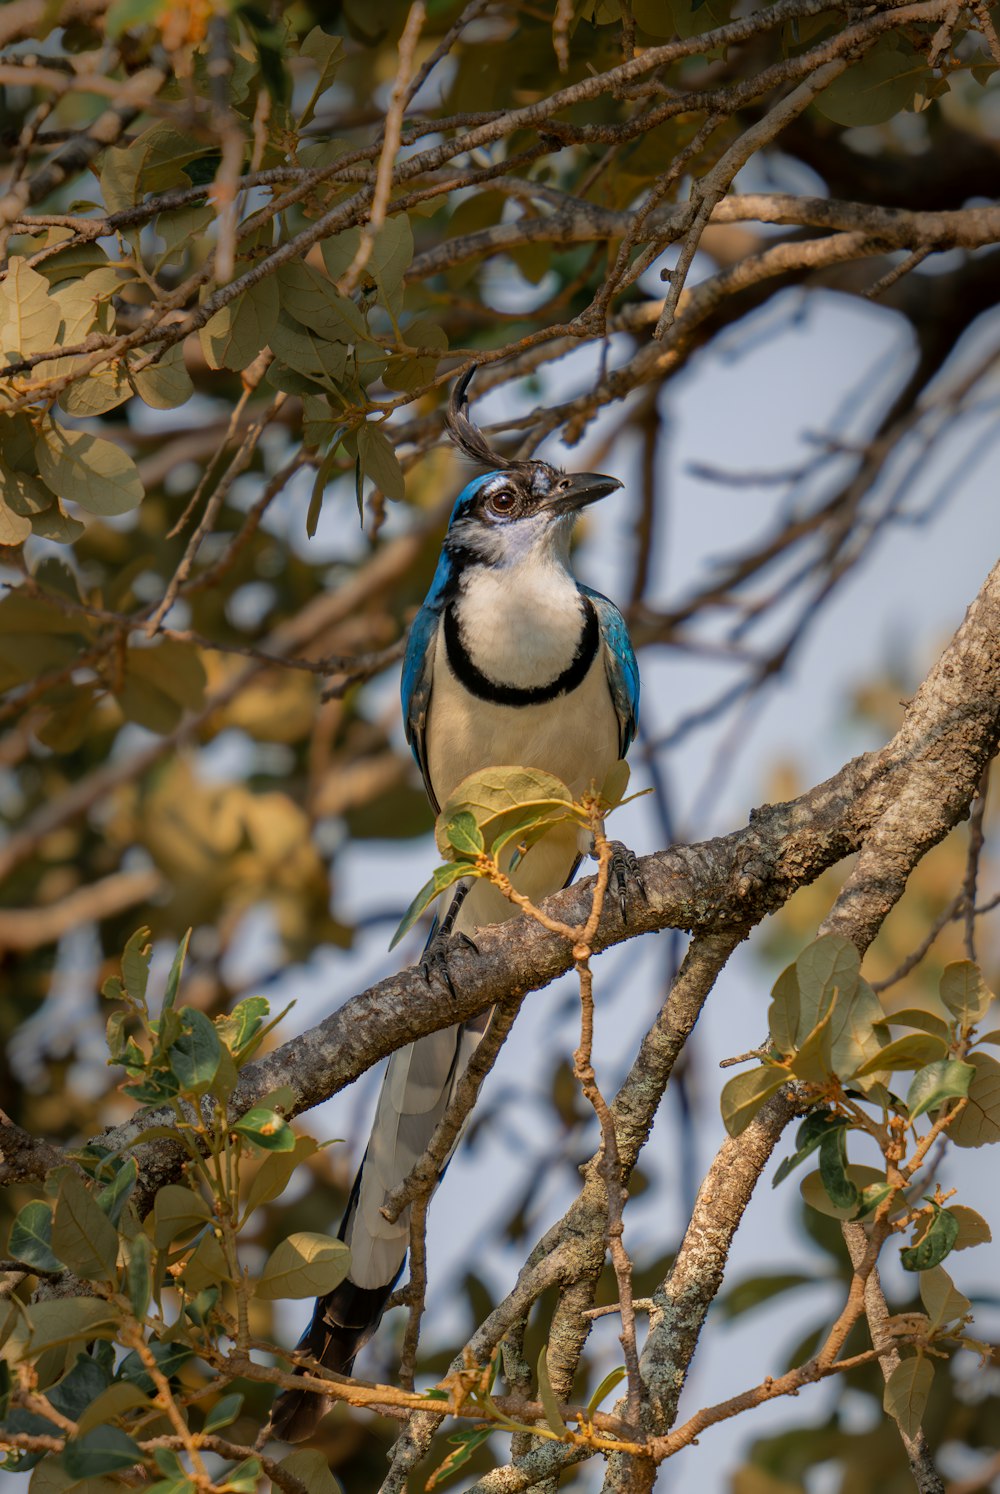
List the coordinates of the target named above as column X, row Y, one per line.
column 418, row 668
column 416, row 687
column 623, row 671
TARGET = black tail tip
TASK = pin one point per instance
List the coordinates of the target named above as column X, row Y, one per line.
column 296, row 1414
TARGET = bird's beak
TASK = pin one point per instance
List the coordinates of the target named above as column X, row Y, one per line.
column 578, row 489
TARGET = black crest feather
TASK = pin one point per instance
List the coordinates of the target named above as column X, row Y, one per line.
column 463, row 430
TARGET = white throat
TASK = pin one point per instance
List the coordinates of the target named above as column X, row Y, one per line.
column 520, row 624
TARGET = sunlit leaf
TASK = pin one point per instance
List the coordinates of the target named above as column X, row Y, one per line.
column 303, row 1265
column 906, row 1392
column 95, row 473
column 948, row 1079
column 744, row 1095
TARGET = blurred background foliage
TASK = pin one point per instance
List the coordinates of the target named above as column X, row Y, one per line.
column 198, row 642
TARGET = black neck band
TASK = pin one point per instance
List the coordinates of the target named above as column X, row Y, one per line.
column 481, row 685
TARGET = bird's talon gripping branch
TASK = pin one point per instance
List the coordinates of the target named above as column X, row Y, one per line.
column 435, row 957
column 625, row 870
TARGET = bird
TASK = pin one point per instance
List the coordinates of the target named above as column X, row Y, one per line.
column 510, row 661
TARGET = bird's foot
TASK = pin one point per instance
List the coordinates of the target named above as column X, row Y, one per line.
column 434, row 961
column 624, row 870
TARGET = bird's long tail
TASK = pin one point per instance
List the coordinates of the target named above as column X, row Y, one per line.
column 419, row 1083
column 417, row 1088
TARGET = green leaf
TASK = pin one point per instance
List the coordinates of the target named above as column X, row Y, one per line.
column 14, row 528
column 224, row 1412
column 304, row 1265
column 266, row 1129
column 810, row 1134
column 135, row 964
column 927, row 1021
column 826, row 969
column 910, row 1052
column 409, row 373
column 315, row 303
column 244, row 1478
column 871, row 1197
column 206, row 1267
column 965, row 993
column 195, row 1055
column 611, row 1379
column 104, row 1450
column 165, row 384
column 390, row 258
column 320, row 485
column 493, row 790
column 812, row 1060
column 327, row 52
column 934, row 1244
column 464, row 835
column 906, row 1392
column 112, row 1402
column 547, row 1396
column 744, row 1095
column 857, row 1033
column 275, row 1172
column 172, row 1486
column 112, row 1199
column 312, row 1470
column 82, row 1235
column 139, row 1274
column 31, row 1237
column 22, row 493
column 972, row 1228
column 840, row 1190
column 443, row 877
column 176, row 971
column 95, row 473
column 948, row 1079
column 379, row 460
column 783, row 1013
column 941, row 1298
column 813, row 1190
column 979, row 1122
column 234, row 336
column 465, row 1444
column 524, row 826
column 169, row 1357
column 29, row 314
column 168, row 1462
column 62, row 1321
column 882, row 84
column 95, row 391
column 176, row 1212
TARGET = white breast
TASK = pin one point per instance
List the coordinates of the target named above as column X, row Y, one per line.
column 522, row 632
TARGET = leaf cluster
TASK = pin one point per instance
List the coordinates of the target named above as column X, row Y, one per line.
column 168, row 1291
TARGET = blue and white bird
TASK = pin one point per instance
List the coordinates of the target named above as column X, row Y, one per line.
column 510, row 660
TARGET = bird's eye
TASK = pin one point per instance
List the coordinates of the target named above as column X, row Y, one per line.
column 503, row 501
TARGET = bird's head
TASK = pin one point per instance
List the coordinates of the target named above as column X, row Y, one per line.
column 517, row 510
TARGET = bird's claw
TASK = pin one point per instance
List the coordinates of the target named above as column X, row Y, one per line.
column 625, row 869
column 435, row 958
